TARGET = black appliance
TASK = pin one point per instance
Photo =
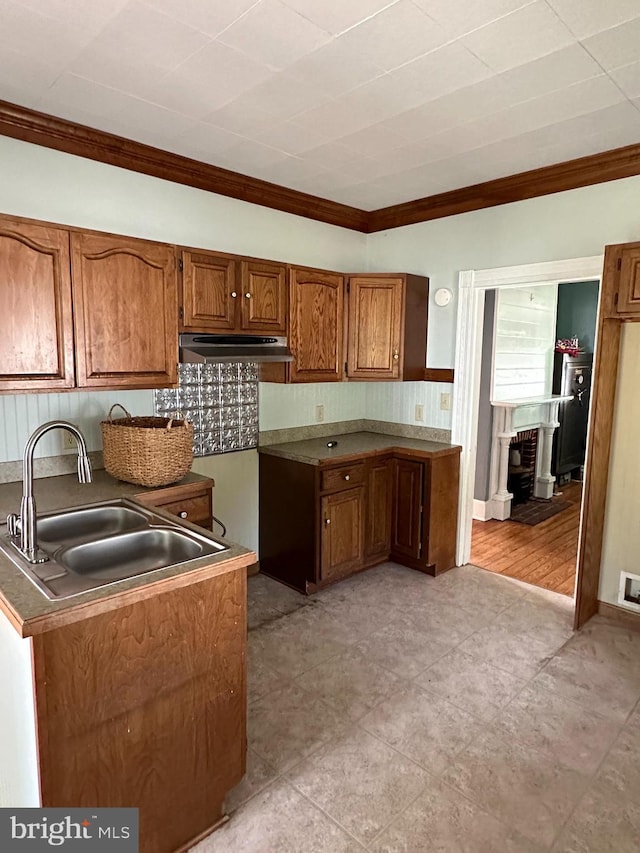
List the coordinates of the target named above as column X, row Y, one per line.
column 571, row 375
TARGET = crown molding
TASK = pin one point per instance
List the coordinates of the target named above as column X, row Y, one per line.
column 52, row 132
column 570, row 175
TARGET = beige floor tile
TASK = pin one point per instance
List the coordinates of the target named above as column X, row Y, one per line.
column 601, row 825
column 261, row 678
column 422, row 726
column 476, row 590
column 360, row 782
column 259, row 774
column 268, row 592
column 443, row 821
column 352, row 620
column 293, row 645
column 520, row 786
column 350, row 684
column 259, row 614
column 619, row 775
column 593, row 684
column 445, row 622
column 471, row 684
column 559, row 728
column 520, row 653
column 289, row 724
column 530, row 615
column 279, row 820
column 401, row 649
column 609, row 644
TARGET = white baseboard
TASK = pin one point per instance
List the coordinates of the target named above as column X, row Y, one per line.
column 481, row 510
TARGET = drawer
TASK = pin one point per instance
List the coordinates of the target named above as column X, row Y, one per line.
column 342, row 478
column 197, row 509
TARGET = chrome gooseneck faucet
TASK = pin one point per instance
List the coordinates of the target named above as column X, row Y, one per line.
column 27, row 522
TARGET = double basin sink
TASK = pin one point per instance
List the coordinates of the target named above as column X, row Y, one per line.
column 95, row 545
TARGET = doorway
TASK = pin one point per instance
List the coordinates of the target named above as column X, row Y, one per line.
column 474, row 285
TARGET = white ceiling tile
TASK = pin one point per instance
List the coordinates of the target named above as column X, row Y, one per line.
column 458, row 17
column 335, row 69
column 140, row 31
column 209, row 80
column 440, row 72
column 375, row 140
column 206, row 142
column 248, row 154
column 628, row 78
column 129, row 72
column 618, row 46
column 236, row 118
column 204, row 15
column 335, row 16
column 521, row 37
column 32, row 33
column 555, row 71
column 294, row 138
column 290, row 171
column 395, row 36
column 91, row 17
column 588, row 17
column 282, row 96
column 274, row 34
column 72, row 93
column 161, row 122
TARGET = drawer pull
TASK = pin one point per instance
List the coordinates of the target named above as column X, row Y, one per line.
column 183, row 514
column 347, row 477
column 327, row 521
column 396, row 354
column 234, row 294
column 248, row 295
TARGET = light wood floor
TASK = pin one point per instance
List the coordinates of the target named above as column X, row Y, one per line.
column 544, row 555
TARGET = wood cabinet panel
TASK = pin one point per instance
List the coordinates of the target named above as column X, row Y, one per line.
column 264, row 298
column 629, row 289
column 316, row 325
column 406, row 534
column 145, row 706
column 209, row 292
column 342, row 545
column 126, row 302
column 344, row 477
column 36, row 345
column 378, row 508
column 375, row 349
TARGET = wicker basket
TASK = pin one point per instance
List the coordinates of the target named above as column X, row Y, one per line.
column 147, row 451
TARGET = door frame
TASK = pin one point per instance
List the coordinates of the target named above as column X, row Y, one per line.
column 473, row 285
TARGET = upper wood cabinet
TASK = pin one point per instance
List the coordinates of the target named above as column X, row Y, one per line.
column 387, row 326
column 316, row 325
column 126, row 303
column 226, row 293
column 629, row 287
column 36, row 345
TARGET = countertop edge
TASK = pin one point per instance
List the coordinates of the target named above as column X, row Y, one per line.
column 392, row 448
column 87, row 609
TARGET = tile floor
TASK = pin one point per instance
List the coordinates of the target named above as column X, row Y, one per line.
column 398, row 712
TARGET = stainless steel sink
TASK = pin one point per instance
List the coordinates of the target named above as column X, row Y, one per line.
column 64, row 528
column 92, row 546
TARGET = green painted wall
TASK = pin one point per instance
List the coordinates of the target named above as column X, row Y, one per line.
column 577, row 312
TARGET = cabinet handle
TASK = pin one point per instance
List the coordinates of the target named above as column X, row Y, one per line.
column 183, row 514
column 347, row 476
column 396, row 354
column 248, row 295
column 327, row 521
column 233, row 294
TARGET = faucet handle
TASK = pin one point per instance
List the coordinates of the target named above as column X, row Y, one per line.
column 13, row 523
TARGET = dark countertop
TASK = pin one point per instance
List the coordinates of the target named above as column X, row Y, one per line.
column 314, row 451
column 31, row 612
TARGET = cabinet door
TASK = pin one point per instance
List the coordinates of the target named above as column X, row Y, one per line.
column 629, row 292
column 209, row 292
column 342, row 534
column 407, row 508
column 126, row 301
column 316, row 301
column 378, row 509
column 264, row 298
column 36, row 345
column 375, row 327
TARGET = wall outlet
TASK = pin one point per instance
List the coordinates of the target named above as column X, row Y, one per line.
column 68, row 441
column 445, row 402
column 319, row 413
column 419, row 412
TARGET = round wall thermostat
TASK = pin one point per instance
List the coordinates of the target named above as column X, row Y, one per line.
column 442, row 297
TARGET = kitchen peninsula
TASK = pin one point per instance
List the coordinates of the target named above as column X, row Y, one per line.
column 132, row 694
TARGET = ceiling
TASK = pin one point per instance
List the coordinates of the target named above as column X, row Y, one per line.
column 365, row 102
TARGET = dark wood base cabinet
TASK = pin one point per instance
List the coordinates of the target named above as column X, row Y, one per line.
column 321, row 524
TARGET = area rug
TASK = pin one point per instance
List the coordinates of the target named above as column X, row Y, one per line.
column 533, row 512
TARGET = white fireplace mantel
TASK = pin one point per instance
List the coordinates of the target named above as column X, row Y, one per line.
column 544, row 418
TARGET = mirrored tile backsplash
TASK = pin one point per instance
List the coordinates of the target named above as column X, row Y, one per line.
column 220, row 400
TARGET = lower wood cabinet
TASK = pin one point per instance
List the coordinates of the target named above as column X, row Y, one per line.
column 319, row 524
column 190, row 501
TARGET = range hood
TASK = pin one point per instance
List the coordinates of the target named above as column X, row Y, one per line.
column 207, row 349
